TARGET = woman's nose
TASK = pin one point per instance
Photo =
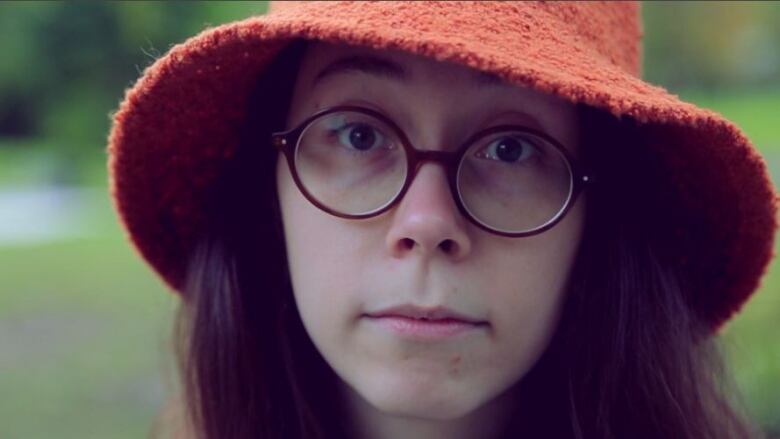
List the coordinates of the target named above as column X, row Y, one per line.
column 427, row 220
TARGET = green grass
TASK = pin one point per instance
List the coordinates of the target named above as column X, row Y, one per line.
column 83, row 329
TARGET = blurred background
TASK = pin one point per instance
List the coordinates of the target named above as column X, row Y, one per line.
column 84, row 324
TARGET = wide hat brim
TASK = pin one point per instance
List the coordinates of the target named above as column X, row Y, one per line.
column 178, row 126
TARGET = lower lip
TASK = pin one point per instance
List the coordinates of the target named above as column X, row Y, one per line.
column 426, row 329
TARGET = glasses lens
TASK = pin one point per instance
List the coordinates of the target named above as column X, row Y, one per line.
column 351, row 162
column 513, row 181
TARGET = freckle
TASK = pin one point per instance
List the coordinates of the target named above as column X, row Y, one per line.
column 455, row 360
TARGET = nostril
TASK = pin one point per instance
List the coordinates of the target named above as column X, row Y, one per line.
column 448, row 245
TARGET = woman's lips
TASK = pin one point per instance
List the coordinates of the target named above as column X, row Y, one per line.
column 424, row 329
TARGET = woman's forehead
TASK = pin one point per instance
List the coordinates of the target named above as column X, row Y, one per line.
column 403, row 67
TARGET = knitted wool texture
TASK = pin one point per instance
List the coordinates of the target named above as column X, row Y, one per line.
column 179, row 124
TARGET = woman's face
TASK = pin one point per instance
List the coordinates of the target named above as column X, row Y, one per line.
column 423, row 251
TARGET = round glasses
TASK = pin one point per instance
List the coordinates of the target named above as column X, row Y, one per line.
column 354, row 162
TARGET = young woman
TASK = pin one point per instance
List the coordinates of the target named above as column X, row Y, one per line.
column 430, row 220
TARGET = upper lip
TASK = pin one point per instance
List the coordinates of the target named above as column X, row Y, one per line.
column 419, row 312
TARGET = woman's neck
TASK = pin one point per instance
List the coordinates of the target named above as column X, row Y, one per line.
column 486, row 422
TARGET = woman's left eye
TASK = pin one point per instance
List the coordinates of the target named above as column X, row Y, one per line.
column 509, row 150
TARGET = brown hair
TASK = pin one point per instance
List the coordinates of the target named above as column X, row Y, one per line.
column 629, row 359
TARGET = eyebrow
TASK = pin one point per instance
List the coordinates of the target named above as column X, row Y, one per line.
column 388, row 69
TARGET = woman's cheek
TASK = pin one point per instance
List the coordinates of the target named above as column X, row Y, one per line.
column 525, row 318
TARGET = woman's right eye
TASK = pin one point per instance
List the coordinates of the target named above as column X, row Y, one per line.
column 360, row 136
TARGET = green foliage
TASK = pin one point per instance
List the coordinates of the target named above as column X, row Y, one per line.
column 712, row 45
column 71, row 62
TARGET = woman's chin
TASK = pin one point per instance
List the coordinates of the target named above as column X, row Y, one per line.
column 416, row 398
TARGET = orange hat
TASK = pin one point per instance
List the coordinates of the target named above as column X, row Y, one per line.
column 179, row 124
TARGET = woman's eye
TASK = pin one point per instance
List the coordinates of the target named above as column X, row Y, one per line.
column 360, row 136
column 509, row 150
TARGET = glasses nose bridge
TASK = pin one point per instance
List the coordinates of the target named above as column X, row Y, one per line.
column 446, row 159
